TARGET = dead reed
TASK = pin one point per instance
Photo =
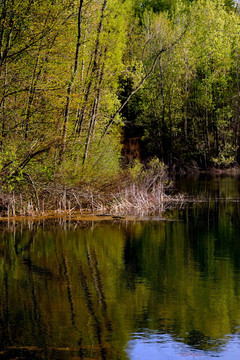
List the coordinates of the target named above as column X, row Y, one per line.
column 143, row 191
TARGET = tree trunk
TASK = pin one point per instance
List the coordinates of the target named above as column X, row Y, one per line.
column 95, row 68
column 70, row 85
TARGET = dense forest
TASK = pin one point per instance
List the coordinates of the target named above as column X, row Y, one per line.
column 89, row 88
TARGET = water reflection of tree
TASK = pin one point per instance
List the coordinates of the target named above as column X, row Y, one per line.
column 59, row 279
column 80, row 293
column 192, row 270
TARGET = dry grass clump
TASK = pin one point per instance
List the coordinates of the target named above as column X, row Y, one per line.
column 145, row 191
column 141, row 190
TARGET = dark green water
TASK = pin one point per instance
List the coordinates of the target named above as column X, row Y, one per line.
column 138, row 291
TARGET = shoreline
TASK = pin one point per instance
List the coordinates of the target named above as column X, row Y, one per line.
column 87, row 217
column 77, row 204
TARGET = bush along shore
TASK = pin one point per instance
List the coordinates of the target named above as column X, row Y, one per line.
column 142, row 190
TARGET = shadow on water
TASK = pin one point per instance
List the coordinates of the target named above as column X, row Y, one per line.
column 75, row 292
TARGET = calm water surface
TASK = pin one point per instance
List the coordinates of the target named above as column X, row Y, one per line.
column 137, row 290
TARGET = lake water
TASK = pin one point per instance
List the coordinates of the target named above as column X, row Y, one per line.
column 126, row 290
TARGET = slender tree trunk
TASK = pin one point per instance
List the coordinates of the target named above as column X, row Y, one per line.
column 79, row 119
column 163, row 120
column 238, row 113
column 4, row 121
column 207, row 131
column 6, row 33
column 94, row 112
column 170, row 132
column 35, row 77
column 5, row 36
column 95, row 68
column 3, row 17
column 71, row 83
column 217, row 142
column 186, row 112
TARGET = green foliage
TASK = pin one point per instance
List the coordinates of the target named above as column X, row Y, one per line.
column 154, row 173
column 59, row 82
column 66, row 67
column 169, row 6
column 136, row 170
column 188, row 112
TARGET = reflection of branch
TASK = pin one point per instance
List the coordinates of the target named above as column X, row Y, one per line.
column 69, row 290
column 96, row 276
column 69, row 293
column 24, row 248
column 142, row 82
column 37, row 311
column 39, row 270
column 6, row 317
column 90, row 308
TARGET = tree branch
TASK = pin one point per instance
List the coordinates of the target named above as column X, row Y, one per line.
column 113, row 117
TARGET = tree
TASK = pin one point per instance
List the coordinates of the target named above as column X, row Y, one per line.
column 187, row 108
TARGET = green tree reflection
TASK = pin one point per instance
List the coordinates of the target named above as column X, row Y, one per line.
column 79, row 293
